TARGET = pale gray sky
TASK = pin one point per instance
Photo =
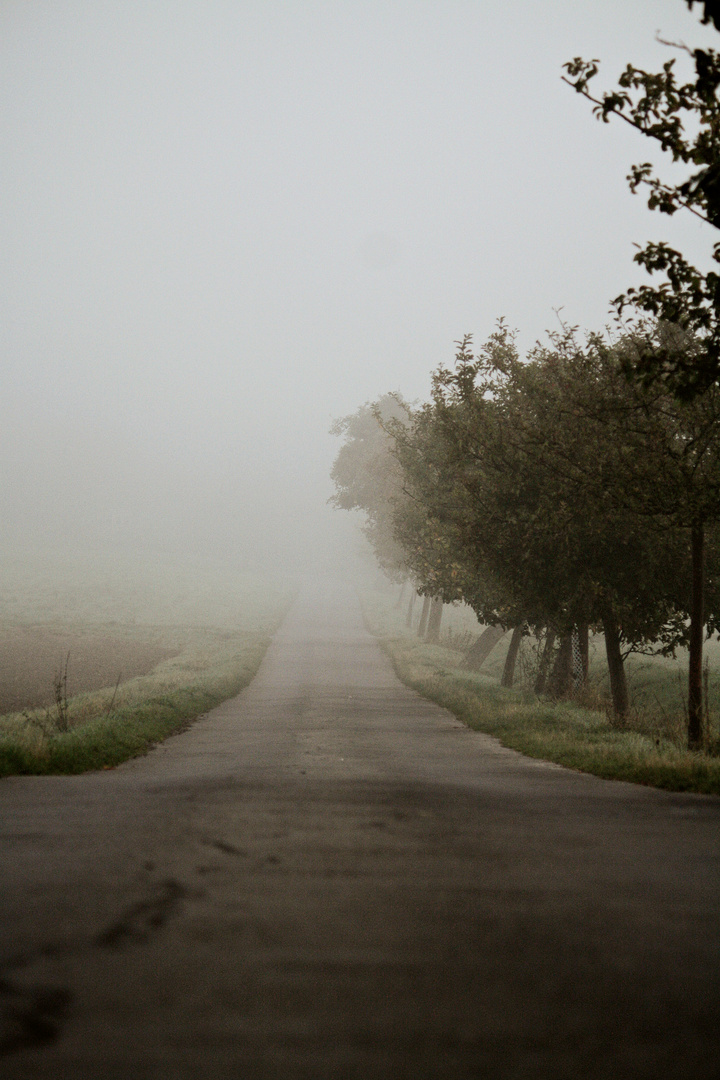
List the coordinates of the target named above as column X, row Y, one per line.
column 226, row 222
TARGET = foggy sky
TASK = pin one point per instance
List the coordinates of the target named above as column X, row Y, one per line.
column 225, row 223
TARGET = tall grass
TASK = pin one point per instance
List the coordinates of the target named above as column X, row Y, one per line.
column 101, row 732
column 211, row 663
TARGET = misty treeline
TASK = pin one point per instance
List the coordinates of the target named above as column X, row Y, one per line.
column 554, row 496
column 576, row 489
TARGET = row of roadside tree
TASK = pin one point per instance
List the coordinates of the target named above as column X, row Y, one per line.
column 553, row 495
column 577, row 488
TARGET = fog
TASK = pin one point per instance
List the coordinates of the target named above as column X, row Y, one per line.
column 226, row 223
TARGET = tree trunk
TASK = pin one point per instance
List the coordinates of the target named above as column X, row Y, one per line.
column 697, row 630
column 434, row 621
column 401, row 597
column 424, row 616
column 411, row 605
column 509, row 670
column 544, row 665
column 616, row 667
column 584, row 641
column 478, row 653
column 560, row 681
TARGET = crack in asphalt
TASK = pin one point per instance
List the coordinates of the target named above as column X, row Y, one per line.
column 227, row 849
column 34, row 1015
column 143, row 919
column 30, row 1016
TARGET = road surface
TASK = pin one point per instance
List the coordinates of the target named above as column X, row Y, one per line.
column 329, row 878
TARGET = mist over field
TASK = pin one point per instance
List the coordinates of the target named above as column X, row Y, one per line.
column 359, row 578
column 227, row 223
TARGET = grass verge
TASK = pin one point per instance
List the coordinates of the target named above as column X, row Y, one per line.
column 578, row 738
column 109, row 726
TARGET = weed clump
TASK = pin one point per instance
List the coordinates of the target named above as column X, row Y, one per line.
column 102, row 729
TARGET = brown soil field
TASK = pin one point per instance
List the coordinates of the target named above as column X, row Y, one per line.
column 32, row 656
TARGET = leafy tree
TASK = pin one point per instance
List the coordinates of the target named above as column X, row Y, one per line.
column 436, row 530
column 642, row 471
column 368, row 478
column 664, row 470
column 554, row 545
column 429, row 534
column 546, row 477
column 684, row 118
column 552, row 492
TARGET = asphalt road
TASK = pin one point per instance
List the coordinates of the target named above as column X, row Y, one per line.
column 329, row 878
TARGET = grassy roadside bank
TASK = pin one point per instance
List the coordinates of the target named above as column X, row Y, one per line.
column 565, row 733
column 108, row 726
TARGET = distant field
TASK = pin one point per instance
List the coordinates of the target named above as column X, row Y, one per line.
column 143, row 590
column 92, row 657
column 576, row 734
column 99, row 663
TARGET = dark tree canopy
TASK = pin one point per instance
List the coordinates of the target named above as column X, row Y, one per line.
column 711, row 11
column 552, row 492
column 684, row 118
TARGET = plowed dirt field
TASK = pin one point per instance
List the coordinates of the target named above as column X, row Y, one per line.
column 31, row 658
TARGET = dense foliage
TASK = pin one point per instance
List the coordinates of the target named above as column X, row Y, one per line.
column 551, row 492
